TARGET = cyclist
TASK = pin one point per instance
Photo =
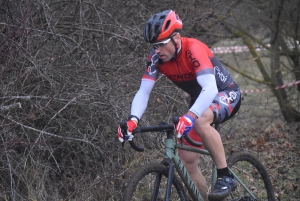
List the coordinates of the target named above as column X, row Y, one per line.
column 215, row 97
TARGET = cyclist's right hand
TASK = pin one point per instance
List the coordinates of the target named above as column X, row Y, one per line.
column 184, row 125
column 131, row 125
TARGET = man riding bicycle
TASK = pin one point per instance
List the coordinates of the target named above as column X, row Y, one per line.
column 215, row 97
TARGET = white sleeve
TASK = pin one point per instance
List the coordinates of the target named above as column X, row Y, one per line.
column 207, row 95
column 140, row 101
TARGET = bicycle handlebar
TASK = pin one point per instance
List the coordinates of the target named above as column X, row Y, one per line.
column 161, row 127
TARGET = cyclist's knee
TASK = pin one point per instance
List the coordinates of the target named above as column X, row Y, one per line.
column 206, row 117
column 201, row 127
column 188, row 158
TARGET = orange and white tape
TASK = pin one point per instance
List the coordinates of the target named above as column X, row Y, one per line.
column 279, row 87
column 235, row 49
column 238, row 49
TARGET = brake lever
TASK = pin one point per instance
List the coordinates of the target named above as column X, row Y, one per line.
column 123, row 126
column 175, row 121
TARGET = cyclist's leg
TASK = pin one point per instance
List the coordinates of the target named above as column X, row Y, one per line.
column 224, row 106
column 211, row 138
column 190, row 161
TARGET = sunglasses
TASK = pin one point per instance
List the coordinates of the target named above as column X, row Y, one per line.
column 161, row 43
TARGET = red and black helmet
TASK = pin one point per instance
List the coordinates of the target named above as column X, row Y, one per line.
column 161, row 26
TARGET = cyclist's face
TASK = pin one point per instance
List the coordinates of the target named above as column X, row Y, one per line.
column 167, row 51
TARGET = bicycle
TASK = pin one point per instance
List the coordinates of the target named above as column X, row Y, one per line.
column 158, row 181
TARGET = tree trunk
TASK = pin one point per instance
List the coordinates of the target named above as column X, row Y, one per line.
column 288, row 112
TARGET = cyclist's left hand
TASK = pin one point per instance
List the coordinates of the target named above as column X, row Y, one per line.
column 184, row 125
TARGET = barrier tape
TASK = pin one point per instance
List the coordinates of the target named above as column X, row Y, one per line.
column 238, row 49
column 235, row 49
column 279, row 87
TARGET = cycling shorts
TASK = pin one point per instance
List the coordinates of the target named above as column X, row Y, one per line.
column 224, row 106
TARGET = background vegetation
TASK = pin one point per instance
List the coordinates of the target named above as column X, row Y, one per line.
column 69, row 70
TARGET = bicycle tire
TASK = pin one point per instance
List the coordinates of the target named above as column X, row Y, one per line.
column 253, row 174
column 140, row 186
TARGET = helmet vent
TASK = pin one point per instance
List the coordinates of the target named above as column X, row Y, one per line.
column 162, row 17
column 167, row 25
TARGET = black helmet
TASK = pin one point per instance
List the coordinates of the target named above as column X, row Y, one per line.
column 161, row 26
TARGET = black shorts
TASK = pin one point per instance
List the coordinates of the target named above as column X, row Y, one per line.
column 226, row 104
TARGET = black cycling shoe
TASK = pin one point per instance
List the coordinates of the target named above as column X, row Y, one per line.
column 222, row 188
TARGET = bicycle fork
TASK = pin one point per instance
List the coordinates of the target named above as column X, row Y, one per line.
column 167, row 162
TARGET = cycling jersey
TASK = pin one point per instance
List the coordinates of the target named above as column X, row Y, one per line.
column 194, row 64
column 194, row 59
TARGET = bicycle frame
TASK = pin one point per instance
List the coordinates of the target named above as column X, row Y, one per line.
column 170, row 147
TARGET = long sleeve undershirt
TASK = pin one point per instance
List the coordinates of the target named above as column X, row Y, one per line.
column 141, row 98
column 207, row 95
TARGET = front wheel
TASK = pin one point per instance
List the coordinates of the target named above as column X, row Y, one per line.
column 253, row 175
column 149, row 183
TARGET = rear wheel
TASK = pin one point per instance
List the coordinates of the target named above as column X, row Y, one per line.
column 253, row 175
column 149, row 183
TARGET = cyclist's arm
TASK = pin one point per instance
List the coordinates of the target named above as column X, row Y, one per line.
column 140, row 101
column 207, row 95
column 205, row 77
